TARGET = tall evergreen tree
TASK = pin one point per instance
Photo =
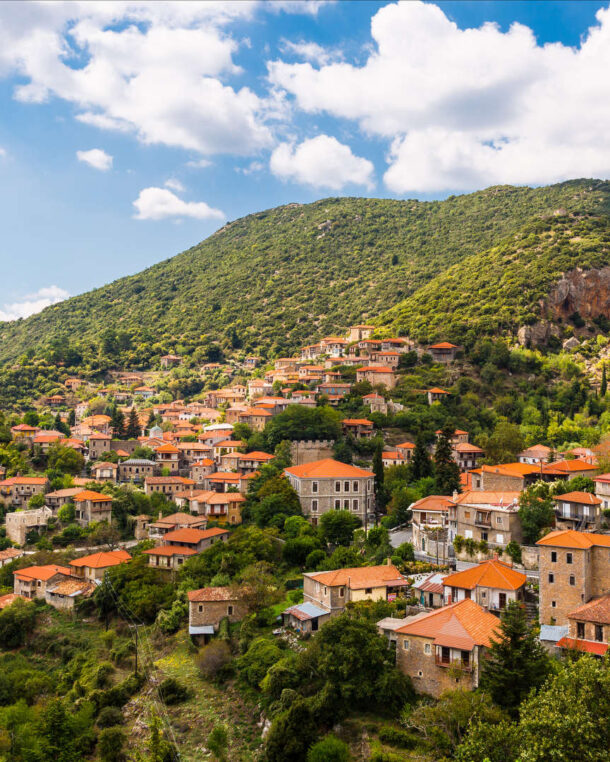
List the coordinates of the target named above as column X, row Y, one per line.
column 446, row 470
column 604, row 385
column 59, row 425
column 516, row 662
column 380, row 492
column 421, row 465
column 117, row 423
column 72, row 418
column 133, row 426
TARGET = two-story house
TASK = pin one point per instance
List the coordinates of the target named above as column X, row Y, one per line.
column 326, row 485
column 31, row 582
column 209, row 606
column 377, row 375
column 589, row 627
column 430, row 524
column 94, row 566
column 92, row 506
column 168, row 457
column 489, row 516
column 359, row 428
column 180, row 544
column 103, row 471
column 136, row 470
column 578, row 510
column 17, row 490
column 492, row 584
column 602, row 490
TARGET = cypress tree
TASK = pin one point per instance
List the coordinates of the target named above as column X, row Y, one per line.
column 604, row 385
column 446, row 470
column 421, row 465
column 516, row 662
column 117, row 423
column 133, row 426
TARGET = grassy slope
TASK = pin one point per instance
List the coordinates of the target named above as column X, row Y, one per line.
column 285, row 276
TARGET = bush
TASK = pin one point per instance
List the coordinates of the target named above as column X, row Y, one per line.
column 110, row 716
column 314, row 558
column 261, row 654
column 397, row 737
column 173, row 692
column 110, row 745
column 215, row 661
column 329, row 749
column 513, row 549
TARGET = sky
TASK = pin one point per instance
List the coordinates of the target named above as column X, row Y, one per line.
column 130, row 131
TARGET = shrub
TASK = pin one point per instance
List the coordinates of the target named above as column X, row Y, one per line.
column 110, row 716
column 215, row 660
column 218, row 742
column 397, row 737
column 329, row 749
column 173, row 692
column 513, row 549
column 261, row 654
column 110, row 745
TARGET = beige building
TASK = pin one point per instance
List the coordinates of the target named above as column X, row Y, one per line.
column 17, row 490
column 589, row 628
column 492, row 584
column 63, row 592
column 209, row 606
column 19, row 523
column 326, row 485
column 93, row 567
column 574, row 567
column 92, row 506
column 489, row 516
column 31, row 582
column 136, row 470
column 104, row 471
column 578, row 510
column 377, row 375
column 167, row 485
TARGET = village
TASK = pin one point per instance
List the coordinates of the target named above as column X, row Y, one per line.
column 193, row 459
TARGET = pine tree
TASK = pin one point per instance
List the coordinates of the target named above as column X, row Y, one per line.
column 446, row 470
column 133, row 426
column 72, row 418
column 421, row 465
column 380, row 493
column 151, row 420
column 604, row 385
column 516, row 662
column 117, row 423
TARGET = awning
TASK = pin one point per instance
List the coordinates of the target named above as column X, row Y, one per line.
column 205, row 629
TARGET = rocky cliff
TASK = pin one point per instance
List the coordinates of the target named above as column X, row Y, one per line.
column 584, row 291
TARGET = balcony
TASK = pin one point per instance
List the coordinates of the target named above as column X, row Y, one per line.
column 483, row 520
column 441, row 661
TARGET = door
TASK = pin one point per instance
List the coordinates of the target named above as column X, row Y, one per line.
column 314, row 625
column 431, row 600
column 502, row 600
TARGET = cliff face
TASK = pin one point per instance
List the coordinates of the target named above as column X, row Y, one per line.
column 586, row 292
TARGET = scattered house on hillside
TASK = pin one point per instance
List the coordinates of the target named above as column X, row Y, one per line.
column 9, row 555
column 332, row 590
column 602, row 489
column 334, row 389
column 201, row 469
column 568, row 469
column 98, row 444
column 390, row 358
column 168, row 456
column 31, row 582
column 444, row 351
column 254, row 417
column 489, row 516
column 55, row 500
column 492, row 584
column 170, row 361
column 436, row 394
column 24, row 433
column 406, row 449
column 391, row 458
column 359, row 332
column 536, row 454
column 326, row 485
column 144, row 392
column 19, row 523
column 62, row 592
column 99, row 423
column 17, row 490
column 180, row 544
column 578, row 510
column 104, row 471
column 92, row 506
column 209, row 606
column 589, row 628
column 430, row 591
column 56, row 400
column 359, row 428
column 514, row 477
column 46, row 439
column 93, row 567
column 167, row 485
column 376, row 403
column 164, row 524
column 377, row 375
column 444, row 647
column 136, row 470
column 249, row 462
column 574, row 567
column 305, row 617
column 430, row 525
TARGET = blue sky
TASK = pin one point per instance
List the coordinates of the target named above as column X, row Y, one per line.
column 131, row 131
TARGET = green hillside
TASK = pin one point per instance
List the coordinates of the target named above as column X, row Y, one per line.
column 274, row 280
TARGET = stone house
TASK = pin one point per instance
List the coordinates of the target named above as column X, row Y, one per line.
column 430, row 524
column 254, row 417
column 62, row 592
column 196, row 539
column 360, row 332
column 170, row 361
column 17, row 490
column 589, row 627
column 19, row 523
column 104, row 472
column 377, row 375
column 98, row 444
column 249, row 462
column 167, row 485
column 391, row 458
column 201, row 469
column 326, row 485
column 136, row 470
column 391, row 358
column 535, row 454
column 24, row 433
column 359, row 428
column 513, row 477
column 224, row 507
column 492, row 584
column 578, row 510
column 489, row 516
column 93, row 567
column 192, row 452
column 305, row 617
column 467, row 455
column 92, row 506
column 334, row 389
column 332, row 590
column 602, row 490
column 574, row 567
column 406, row 449
column 436, row 394
column 376, row 403
column 569, row 469
column 444, row 351
column 55, row 500
column 430, row 591
column 164, row 524
column 31, row 582
column 168, row 456
column 442, row 648
column 209, row 606
column 9, row 555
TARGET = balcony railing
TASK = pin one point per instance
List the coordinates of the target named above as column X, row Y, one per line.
column 457, row 663
column 483, row 521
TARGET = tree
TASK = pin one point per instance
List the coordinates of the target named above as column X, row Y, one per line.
column 257, row 588
column 503, row 445
column 329, row 749
column 218, row 742
column 133, row 426
column 516, row 662
column 110, row 744
column 535, row 511
column 16, row 621
column 338, row 527
column 117, row 423
column 446, row 470
column 378, row 470
column 297, row 423
column 421, row 465
column 65, row 459
column 36, row 501
column 604, row 383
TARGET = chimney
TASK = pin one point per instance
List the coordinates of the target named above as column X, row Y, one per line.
column 160, row 515
column 456, row 494
column 388, row 561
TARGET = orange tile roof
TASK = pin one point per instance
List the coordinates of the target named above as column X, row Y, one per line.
column 170, row 550
column 466, row 447
column 597, row 610
column 168, row 480
column 41, row 572
column 436, row 390
column 102, row 560
column 224, row 476
column 512, row 469
column 24, row 427
column 459, row 625
column 327, row 468
column 212, row 594
column 486, row 497
column 570, row 538
column 568, row 466
column 376, row 369
column 220, row 498
column 433, row 503
column 43, row 438
column 406, row 446
column 94, row 497
column 167, row 448
column 356, row 422
column 392, row 456
column 358, row 577
column 443, row 345
column 587, row 646
column 193, row 535
column 204, row 462
column 31, row 480
column 586, row 498
column 492, row 573
column 256, row 455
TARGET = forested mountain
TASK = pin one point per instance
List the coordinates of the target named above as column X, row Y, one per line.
column 275, row 280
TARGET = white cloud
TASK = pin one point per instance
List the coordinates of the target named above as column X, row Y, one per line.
column 322, row 162
column 95, row 158
column 310, row 7
column 174, row 184
column 200, row 164
column 160, row 203
column 2, row 152
column 161, row 71
column 251, row 169
column 468, row 108
column 32, row 303
column 311, row 51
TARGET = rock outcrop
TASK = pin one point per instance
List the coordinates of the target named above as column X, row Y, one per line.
column 584, row 291
column 536, row 334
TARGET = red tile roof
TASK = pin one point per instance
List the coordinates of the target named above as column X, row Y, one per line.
column 587, row 646
column 41, row 572
column 597, row 610
column 570, row 538
column 193, row 536
column 433, row 503
column 102, row 560
column 460, row 625
column 443, row 345
column 359, row 577
column 170, row 550
column 212, row 594
column 585, row 498
column 328, row 469
column 94, row 497
column 492, row 573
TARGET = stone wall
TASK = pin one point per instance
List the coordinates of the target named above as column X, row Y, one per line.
column 309, row 451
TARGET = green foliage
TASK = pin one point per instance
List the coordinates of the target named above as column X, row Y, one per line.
column 260, row 656
column 173, row 692
column 535, row 511
column 329, row 749
column 513, row 550
column 297, row 422
column 446, row 470
column 16, row 622
column 218, row 742
column 337, row 527
column 110, row 744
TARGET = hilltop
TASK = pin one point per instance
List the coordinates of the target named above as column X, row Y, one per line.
column 272, row 281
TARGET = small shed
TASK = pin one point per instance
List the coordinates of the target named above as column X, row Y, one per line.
column 305, row 617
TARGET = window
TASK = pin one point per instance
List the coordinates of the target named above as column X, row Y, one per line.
column 553, row 557
column 483, row 594
column 337, row 486
column 427, row 648
column 355, row 505
column 405, row 644
column 572, row 580
column 341, row 592
column 346, row 486
column 355, row 487
column 599, row 633
column 553, row 604
column 568, row 558
column 200, row 607
column 346, row 505
column 551, row 578
column 314, row 486
column 468, row 534
column 499, row 520
column 325, row 590
column 337, row 505
column 229, row 610
column 500, row 539
column 368, row 591
column 465, row 658
column 580, row 630
column 466, row 514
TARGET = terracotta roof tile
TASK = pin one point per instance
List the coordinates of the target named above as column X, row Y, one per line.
column 358, row 577
column 597, row 610
column 211, row 594
column 328, row 469
column 570, row 538
column 457, row 625
column 492, row 573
